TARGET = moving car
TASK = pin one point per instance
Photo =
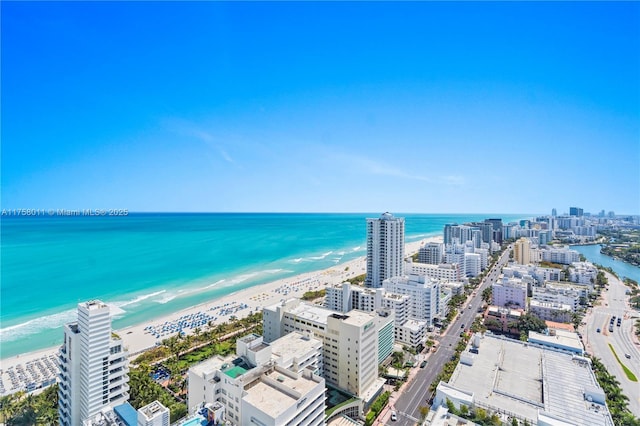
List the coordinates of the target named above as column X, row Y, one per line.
column 394, row 416
column 628, row 356
column 598, row 331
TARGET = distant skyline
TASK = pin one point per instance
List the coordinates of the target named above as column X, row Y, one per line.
column 412, row 107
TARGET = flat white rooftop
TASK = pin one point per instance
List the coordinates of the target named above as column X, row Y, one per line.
column 357, row 318
column 414, row 325
column 523, row 379
column 561, row 339
column 293, row 344
column 210, row 366
column 271, row 399
column 311, row 312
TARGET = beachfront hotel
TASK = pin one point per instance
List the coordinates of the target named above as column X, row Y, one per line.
column 263, row 384
column 93, row 366
column 350, row 342
column 385, row 249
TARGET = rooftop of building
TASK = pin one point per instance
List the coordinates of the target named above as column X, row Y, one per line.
column 549, row 305
column 357, row 318
column 395, row 296
column 563, row 285
column 558, row 337
column 292, row 344
column 414, row 280
column 505, row 281
column 560, row 326
column 279, row 392
column 152, row 409
column 523, row 379
column 235, row 371
column 231, row 366
column 127, row 413
column 414, row 325
column 249, row 338
column 94, row 304
column 493, row 310
column 311, row 312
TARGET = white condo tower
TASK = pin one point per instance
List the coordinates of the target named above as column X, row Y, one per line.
column 93, row 366
column 385, row 249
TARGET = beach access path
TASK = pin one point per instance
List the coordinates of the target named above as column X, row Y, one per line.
column 36, row 367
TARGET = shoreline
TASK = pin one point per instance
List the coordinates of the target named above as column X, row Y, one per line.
column 141, row 337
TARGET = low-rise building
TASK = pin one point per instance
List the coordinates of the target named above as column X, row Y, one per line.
column 528, row 382
column 560, row 294
column 558, row 339
column 551, row 311
column 502, row 319
column 583, row 273
column 153, row 414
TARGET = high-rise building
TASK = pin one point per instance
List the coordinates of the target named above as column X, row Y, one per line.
column 460, row 234
column 576, row 211
column 431, row 253
column 409, row 331
column 93, row 366
column 449, row 230
column 385, row 249
column 554, row 212
column 497, row 229
column 521, row 251
column 350, row 342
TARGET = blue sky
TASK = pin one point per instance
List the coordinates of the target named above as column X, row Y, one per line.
column 328, row 107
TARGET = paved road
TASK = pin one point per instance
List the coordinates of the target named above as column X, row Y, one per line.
column 416, row 393
column 614, row 303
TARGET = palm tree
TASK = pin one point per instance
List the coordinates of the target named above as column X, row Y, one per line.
column 8, row 407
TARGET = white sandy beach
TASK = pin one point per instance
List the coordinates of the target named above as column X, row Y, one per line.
column 141, row 337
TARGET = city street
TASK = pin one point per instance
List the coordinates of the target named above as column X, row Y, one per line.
column 597, row 343
column 416, row 392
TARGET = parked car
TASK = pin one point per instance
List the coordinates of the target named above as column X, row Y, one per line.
column 423, row 363
column 394, row 416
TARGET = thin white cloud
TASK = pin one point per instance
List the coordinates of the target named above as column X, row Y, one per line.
column 226, row 156
column 197, row 132
column 380, row 168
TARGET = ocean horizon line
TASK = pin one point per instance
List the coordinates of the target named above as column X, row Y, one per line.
column 268, row 212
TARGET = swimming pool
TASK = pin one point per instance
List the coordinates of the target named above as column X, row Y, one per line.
column 196, row 421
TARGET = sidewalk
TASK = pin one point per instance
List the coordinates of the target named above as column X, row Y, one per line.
column 384, row 418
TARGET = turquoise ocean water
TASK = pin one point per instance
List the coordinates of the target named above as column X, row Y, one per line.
column 150, row 265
